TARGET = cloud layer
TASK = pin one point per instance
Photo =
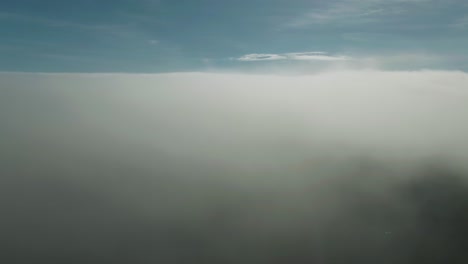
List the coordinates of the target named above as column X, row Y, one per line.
column 336, row 167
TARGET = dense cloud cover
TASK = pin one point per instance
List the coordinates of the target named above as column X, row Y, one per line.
column 335, row 167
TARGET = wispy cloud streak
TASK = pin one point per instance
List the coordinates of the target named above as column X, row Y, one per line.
column 301, row 56
column 354, row 11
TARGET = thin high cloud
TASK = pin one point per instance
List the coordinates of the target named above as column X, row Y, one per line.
column 360, row 12
column 298, row 56
column 461, row 23
column 119, row 30
column 58, row 23
column 153, row 42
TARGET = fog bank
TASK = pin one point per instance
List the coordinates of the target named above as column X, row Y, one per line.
column 334, row 167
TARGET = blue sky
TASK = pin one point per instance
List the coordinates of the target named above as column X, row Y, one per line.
column 176, row 35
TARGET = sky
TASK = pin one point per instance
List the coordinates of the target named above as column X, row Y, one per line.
column 154, row 36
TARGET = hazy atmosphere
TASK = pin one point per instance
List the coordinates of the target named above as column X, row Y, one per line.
column 246, row 132
column 336, row 167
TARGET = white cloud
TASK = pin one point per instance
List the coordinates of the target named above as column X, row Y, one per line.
column 318, row 56
column 261, row 57
column 313, row 62
column 300, row 56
